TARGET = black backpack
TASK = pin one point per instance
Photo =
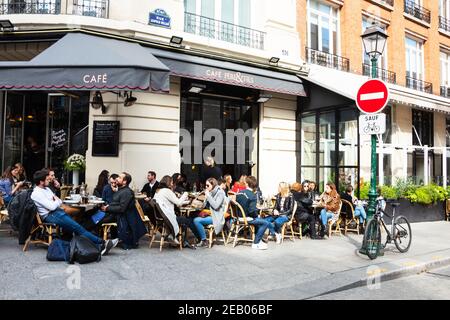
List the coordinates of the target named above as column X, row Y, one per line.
column 83, row 250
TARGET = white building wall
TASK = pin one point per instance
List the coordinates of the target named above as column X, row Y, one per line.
column 277, row 146
column 149, row 136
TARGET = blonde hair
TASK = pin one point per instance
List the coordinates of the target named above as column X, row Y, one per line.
column 284, row 189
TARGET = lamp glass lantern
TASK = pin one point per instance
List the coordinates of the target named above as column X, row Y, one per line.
column 374, row 40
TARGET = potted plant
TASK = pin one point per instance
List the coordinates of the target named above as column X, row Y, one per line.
column 75, row 163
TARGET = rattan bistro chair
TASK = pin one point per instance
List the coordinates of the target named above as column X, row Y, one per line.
column 288, row 228
column 145, row 220
column 210, row 230
column 349, row 218
column 41, row 233
column 447, row 209
column 240, row 225
column 336, row 223
column 160, row 226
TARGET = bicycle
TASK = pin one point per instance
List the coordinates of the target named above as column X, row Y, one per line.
column 400, row 232
column 371, row 128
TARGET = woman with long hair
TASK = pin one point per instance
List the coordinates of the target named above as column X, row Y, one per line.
column 7, row 186
column 330, row 201
column 215, row 205
column 103, row 180
column 167, row 200
column 284, row 206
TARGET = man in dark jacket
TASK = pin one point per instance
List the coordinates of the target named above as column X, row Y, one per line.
column 150, row 188
column 22, row 211
column 247, row 199
column 129, row 223
column 210, row 170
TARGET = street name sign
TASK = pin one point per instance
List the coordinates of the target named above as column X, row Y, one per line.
column 372, row 123
column 372, row 96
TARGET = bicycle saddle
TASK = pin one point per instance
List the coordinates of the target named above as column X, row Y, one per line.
column 395, row 204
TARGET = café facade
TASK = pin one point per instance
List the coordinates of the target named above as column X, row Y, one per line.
column 135, row 106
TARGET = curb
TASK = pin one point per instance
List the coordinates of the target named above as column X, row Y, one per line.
column 394, row 274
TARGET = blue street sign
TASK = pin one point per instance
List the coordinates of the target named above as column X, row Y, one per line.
column 159, row 18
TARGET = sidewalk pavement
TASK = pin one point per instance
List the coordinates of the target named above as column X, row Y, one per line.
column 293, row 270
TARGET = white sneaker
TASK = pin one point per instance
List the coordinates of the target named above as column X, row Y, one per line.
column 278, row 236
column 259, row 246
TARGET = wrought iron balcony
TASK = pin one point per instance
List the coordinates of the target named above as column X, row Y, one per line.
column 30, row 7
column 417, row 11
column 444, row 23
column 382, row 74
column 419, row 85
column 221, row 30
column 92, row 8
column 445, row 91
column 328, row 60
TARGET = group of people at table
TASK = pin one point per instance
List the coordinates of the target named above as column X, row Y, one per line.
column 170, row 195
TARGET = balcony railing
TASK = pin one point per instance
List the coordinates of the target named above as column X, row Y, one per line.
column 444, row 23
column 30, row 7
column 221, row 30
column 417, row 11
column 93, row 8
column 419, row 85
column 382, row 74
column 445, row 92
column 328, row 60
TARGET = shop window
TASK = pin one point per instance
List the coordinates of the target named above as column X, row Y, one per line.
column 308, row 138
column 422, row 130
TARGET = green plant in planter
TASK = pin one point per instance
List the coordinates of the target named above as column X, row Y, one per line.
column 427, row 195
column 405, row 187
column 364, row 191
column 389, row 192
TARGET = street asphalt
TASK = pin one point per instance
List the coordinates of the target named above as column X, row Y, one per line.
column 304, row 269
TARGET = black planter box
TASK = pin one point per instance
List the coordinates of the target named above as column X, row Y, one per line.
column 417, row 212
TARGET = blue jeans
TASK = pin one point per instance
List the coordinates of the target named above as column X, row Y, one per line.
column 198, row 226
column 60, row 218
column 325, row 216
column 275, row 223
column 361, row 213
column 261, row 226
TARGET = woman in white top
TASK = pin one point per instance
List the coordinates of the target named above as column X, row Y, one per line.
column 167, row 200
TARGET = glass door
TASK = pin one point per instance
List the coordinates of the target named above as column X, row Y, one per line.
column 58, row 129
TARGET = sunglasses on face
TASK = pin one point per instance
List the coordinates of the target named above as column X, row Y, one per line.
column 208, row 185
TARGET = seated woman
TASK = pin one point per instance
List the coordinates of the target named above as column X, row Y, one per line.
column 8, row 188
column 304, row 210
column 284, row 206
column 167, row 200
column 239, row 185
column 216, row 204
column 101, row 183
column 329, row 200
column 358, row 209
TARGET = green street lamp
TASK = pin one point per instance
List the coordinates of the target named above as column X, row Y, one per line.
column 374, row 40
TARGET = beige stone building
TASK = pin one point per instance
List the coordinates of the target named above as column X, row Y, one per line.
column 415, row 64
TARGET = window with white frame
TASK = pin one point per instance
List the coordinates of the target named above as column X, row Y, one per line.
column 382, row 62
column 414, row 58
column 323, row 27
column 444, row 8
column 445, row 69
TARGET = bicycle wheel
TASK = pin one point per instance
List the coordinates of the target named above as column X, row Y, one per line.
column 402, row 234
column 372, row 239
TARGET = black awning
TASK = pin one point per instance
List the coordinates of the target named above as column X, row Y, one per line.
column 201, row 68
column 84, row 62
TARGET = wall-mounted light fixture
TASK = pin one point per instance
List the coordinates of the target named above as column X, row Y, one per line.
column 97, row 102
column 129, row 100
column 176, row 41
column 264, row 98
column 274, row 61
column 197, row 88
column 6, row 25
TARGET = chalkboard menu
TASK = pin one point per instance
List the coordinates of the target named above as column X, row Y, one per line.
column 105, row 141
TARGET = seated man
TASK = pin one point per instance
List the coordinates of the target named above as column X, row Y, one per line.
column 247, row 199
column 110, row 188
column 48, row 206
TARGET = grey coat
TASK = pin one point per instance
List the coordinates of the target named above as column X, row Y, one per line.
column 218, row 203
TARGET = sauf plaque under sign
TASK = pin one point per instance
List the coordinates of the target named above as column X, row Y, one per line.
column 372, row 123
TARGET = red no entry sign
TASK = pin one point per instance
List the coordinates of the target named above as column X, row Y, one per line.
column 372, row 96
